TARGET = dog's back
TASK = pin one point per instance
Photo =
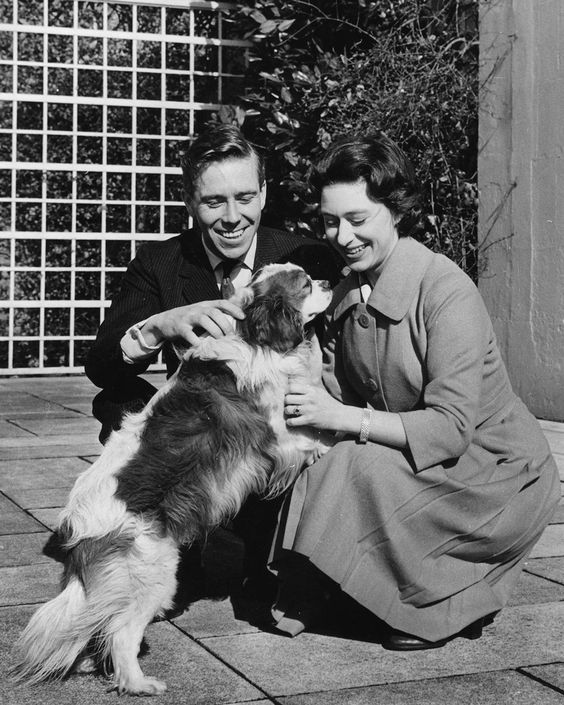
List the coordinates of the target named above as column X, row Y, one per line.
column 205, row 446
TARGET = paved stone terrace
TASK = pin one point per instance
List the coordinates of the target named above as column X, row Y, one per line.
column 214, row 653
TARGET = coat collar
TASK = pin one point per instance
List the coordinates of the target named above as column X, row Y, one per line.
column 397, row 285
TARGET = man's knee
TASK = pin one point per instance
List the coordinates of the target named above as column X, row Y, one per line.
column 110, row 405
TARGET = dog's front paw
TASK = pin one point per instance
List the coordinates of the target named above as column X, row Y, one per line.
column 142, row 686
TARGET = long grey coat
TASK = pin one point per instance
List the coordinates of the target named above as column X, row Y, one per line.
column 432, row 538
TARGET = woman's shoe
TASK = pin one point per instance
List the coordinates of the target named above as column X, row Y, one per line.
column 400, row 641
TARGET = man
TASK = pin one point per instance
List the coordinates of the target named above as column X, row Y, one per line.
column 172, row 289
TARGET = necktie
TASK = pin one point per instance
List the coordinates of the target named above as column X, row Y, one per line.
column 227, row 288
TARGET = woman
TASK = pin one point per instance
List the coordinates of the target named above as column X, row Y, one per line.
column 426, row 510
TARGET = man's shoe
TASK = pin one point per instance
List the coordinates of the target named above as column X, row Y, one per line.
column 259, row 586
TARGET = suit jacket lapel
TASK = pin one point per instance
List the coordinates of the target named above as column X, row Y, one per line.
column 196, row 278
column 267, row 250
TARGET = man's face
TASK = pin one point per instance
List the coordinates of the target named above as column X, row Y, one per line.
column 227, row 205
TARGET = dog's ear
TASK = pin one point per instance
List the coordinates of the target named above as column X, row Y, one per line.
column 243, row 297
column 272, row 321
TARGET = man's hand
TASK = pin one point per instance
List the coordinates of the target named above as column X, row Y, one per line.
column 214, row 317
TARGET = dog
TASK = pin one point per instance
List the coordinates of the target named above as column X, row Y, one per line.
column 213, row 434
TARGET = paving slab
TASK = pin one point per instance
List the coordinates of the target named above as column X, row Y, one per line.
column 55, row 449
column 559, row 459
column 65, row 395
column 49, row 517
column 210, row 617
column 47, row 440
column 558, row 517
column 29, row 584
column 531, row 589
column 520, row 636
column 23, row 549
column 551, row 543
column 46, row 426
column 48, row 381
column 41, row 473
column 503, row 688
column 553, row 674
column 41, row 498
column 10, row 430
column 193, row 675
column 552, row 425
column 59, row 413
column 14, row 521
column 15, row 403
column 551, row 568
column 80, row 407
column 555, row 438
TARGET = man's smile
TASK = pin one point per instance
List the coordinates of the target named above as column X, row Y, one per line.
column 231, row 234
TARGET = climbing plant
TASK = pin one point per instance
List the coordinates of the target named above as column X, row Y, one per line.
column 407, row 67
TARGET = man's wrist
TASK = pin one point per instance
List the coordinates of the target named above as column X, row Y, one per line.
column 139, row 343
column 152, row 333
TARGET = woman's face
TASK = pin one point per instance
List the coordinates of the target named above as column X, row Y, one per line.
column 363, row 231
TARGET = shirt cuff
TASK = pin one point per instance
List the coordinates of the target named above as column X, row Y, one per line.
column 133, row 346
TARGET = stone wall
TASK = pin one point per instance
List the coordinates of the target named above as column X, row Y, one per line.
column 521, row 181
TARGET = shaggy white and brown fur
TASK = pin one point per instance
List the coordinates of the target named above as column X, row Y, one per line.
column 212, row 435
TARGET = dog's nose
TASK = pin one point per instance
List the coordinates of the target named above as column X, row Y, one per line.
column 324, row 284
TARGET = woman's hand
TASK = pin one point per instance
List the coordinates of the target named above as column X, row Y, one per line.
column 308, row 405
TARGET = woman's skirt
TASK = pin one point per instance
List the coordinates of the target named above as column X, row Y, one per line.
column 427, row 552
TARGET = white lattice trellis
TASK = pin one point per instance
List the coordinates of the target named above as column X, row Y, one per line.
column 94, row 98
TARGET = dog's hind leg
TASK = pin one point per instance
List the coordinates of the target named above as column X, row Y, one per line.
column 128, row 676
column 152, row 576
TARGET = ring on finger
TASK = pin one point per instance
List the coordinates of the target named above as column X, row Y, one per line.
column 297, row 411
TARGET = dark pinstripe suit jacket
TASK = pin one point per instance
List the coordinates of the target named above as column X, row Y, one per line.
column 177, row 272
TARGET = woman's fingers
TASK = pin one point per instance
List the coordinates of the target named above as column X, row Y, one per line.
column 296, row 387
column 294, row 399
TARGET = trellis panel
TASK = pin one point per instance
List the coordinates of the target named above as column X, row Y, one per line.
column 94, row 100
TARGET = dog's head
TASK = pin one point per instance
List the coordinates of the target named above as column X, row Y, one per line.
column 279, row 303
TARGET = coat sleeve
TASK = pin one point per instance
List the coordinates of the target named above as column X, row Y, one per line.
column 137, row 299
column 459, row 332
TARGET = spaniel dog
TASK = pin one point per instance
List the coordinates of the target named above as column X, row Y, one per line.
column 212, row 435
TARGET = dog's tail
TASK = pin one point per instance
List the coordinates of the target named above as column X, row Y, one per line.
column 54, row 638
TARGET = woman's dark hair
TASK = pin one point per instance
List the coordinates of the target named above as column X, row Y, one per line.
column 219, row 143
column 389, row 175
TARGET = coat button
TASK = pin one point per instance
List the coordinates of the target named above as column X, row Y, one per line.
column 373, row 385
column 364, row 320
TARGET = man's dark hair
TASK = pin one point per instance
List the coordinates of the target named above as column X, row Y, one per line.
column 215, row 145
column 389, row 175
